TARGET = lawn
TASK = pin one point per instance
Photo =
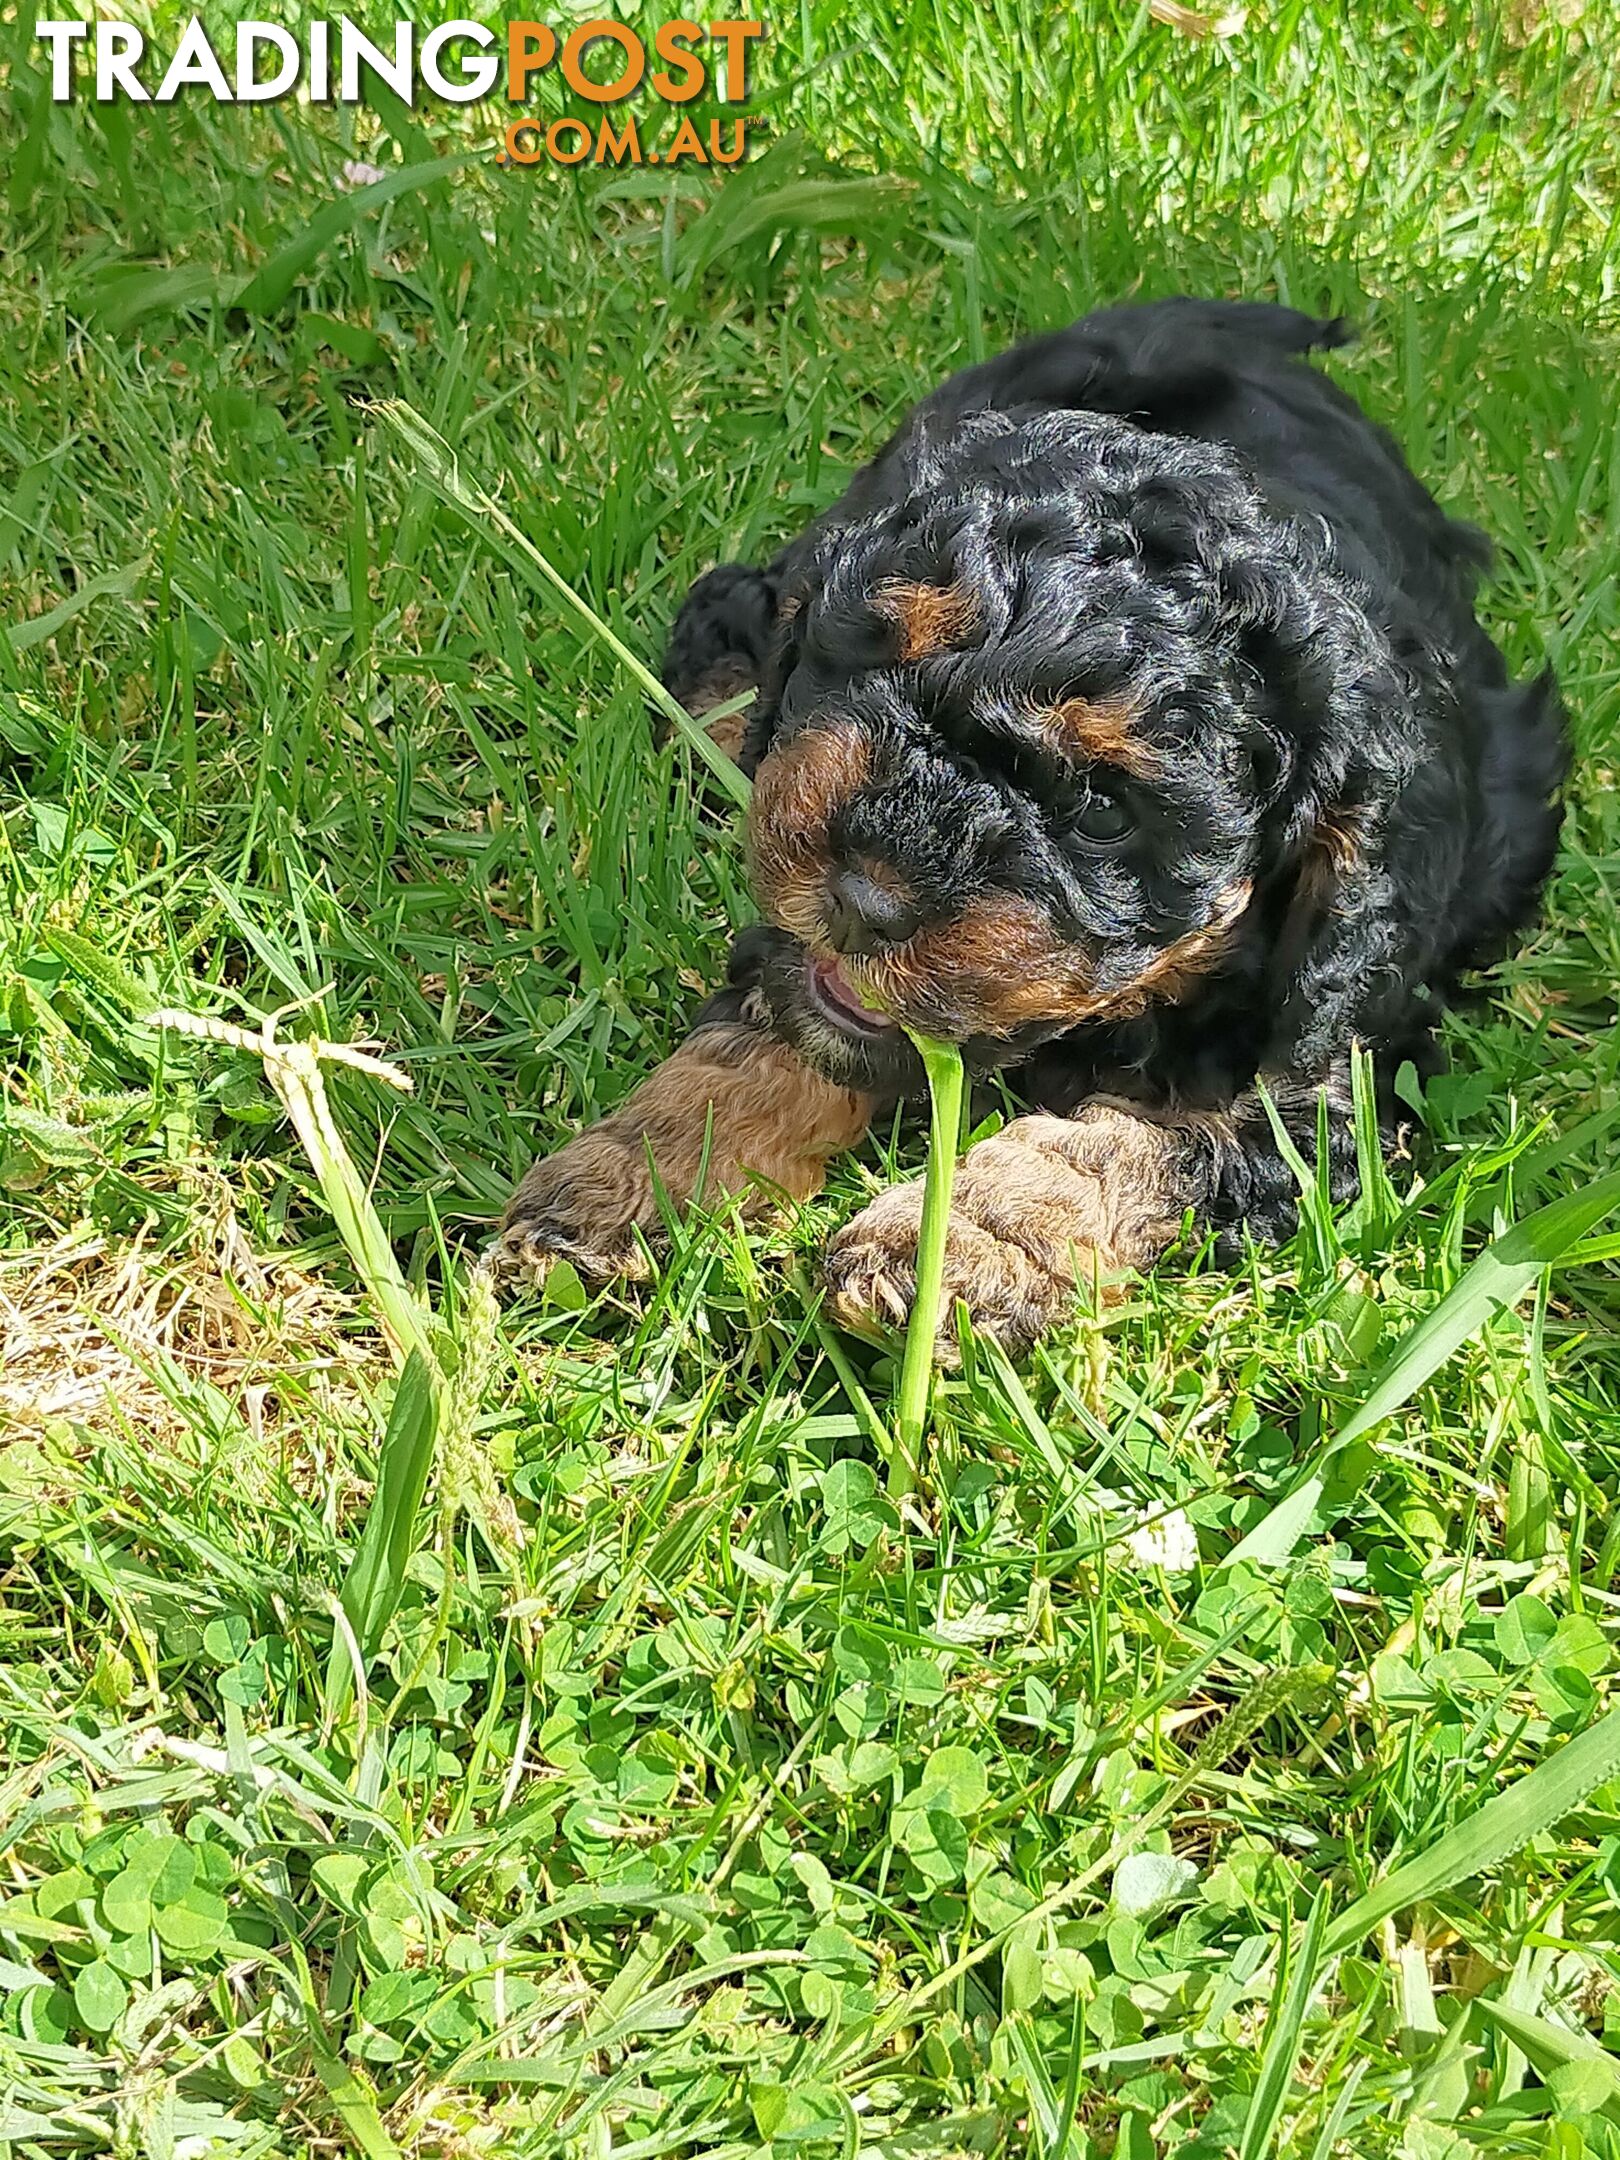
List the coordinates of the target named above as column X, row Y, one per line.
column 657, row 1779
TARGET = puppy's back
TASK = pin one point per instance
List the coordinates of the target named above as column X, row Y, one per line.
column 1233, row 372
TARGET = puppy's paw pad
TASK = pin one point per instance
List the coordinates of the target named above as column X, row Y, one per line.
column 871, row 1275
column 871, row 1264
column 562, row 1211
column 518, row 1257
column 524, row 1256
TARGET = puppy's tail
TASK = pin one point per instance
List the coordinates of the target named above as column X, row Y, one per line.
column 1154, row 324
column 1149, row 358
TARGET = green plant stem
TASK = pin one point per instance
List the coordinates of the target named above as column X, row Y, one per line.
column 943, row 1064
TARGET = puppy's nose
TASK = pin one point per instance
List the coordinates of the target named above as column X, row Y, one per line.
column 864, row 916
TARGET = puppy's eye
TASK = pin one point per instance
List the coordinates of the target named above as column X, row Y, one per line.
column 1101, row 822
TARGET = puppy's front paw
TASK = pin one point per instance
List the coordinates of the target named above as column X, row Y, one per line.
column 871, row 1272
column 583, row 1205
column 733, row 1111
column 1042, row 1205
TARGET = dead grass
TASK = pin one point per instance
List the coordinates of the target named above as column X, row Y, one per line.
column 106, row 1336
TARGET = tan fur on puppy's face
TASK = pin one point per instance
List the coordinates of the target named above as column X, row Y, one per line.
column 797, row 791
column 930, row 618
column 999, row 964
column 1099, row 732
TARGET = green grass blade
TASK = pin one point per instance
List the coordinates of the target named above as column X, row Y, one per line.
column 376, row 1576
column 440, row 470
column 354, row 2107
column 114, row 981
column 1504, row 1824
column 109, row 585
column 799, row 205
column 1285, row 2030
column 1549, row 2047
column 1504, row 1273
column 294, row 1071
column 120, row 302
column 1049, row 2118
column 269, row 285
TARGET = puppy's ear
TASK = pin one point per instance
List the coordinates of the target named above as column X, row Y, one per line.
column 1336, row 956
column 1350, row 741
column 786, row 644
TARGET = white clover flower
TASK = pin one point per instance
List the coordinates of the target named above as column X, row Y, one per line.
column 1164, row 1541
column 358, row 173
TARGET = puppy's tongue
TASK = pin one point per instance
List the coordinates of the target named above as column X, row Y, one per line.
column 836, row 987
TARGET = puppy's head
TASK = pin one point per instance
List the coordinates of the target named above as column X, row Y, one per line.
column 1041, row 727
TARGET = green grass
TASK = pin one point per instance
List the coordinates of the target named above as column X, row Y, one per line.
column 696, row 1795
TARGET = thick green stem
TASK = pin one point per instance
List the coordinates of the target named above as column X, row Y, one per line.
column 943, row 1064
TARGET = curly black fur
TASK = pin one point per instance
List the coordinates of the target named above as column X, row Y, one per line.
column 1162, row 510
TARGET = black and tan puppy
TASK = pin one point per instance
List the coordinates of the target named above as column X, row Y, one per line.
column 1128, row 723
